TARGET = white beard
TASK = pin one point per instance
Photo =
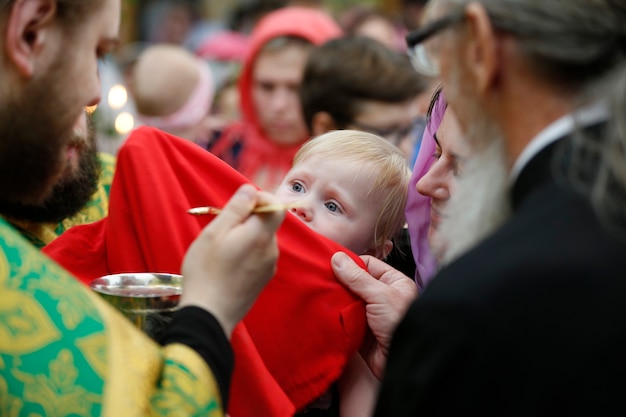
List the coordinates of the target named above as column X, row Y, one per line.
column 479, row 204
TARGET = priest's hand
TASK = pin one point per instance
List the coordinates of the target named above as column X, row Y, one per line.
column 232, row 259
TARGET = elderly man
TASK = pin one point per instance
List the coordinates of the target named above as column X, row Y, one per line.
column 527, row 318
column 63, row 350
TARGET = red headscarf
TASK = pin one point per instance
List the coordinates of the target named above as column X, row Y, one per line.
column 258, row 151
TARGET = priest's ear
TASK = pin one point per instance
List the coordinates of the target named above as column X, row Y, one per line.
column 28, row 28
column 322, row 122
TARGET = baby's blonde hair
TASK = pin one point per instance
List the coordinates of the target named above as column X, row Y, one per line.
column 392, row 171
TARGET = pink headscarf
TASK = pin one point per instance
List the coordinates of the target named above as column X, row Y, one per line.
column 418, row 206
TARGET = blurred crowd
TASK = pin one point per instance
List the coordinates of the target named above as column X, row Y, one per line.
column 179, row 52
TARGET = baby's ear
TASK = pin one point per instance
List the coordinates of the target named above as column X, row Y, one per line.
column 382, row 250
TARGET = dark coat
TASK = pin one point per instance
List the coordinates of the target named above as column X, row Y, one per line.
column 532, row 322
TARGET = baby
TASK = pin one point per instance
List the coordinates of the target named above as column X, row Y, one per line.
column 350, row 186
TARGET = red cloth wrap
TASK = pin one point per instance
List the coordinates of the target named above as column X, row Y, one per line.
column 304, row 326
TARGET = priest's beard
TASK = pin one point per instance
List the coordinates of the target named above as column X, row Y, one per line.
column 70, row 194
column 479, row 203
column 35, row 126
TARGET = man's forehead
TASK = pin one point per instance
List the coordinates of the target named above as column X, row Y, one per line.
column 106, row 18
column 113, row 8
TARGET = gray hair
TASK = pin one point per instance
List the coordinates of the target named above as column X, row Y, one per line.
column 606, row 184
column 579, row 46
column 568, row 42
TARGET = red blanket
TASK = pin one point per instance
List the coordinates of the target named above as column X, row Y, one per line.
column 297, row 338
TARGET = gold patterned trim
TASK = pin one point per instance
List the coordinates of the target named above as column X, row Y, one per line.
column 144, row 379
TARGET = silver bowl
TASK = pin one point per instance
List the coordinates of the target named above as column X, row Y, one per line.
column 146, row 299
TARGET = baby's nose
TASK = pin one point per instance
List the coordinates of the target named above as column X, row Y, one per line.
column 302, row 211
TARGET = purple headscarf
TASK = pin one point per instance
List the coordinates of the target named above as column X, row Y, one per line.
column 418, row 206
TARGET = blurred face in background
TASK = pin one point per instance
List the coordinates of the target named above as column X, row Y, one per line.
column 392, row 121
column 276, row 79
column 380, row 29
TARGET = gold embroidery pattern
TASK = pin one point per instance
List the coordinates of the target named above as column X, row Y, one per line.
column 98, row 206
column 55, row 365
column 10, row 405
column 185, row 384
column 73, row 310
column 42, row 367
column 94, row 348
column 58, row 394
column 24, row 324
column 184, row 392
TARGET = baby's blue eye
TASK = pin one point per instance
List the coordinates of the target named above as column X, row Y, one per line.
column 297, row 187
column 332, row 206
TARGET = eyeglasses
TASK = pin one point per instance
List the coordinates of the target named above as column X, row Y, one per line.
column 395, row 135
column 423, row 60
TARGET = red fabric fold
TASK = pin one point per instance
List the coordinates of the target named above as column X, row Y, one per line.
column 298, row 336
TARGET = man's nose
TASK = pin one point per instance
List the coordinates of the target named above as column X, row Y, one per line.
column 93, row 90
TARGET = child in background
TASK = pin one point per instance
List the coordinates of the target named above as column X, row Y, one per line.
column 350, row 186
column 262, row 144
